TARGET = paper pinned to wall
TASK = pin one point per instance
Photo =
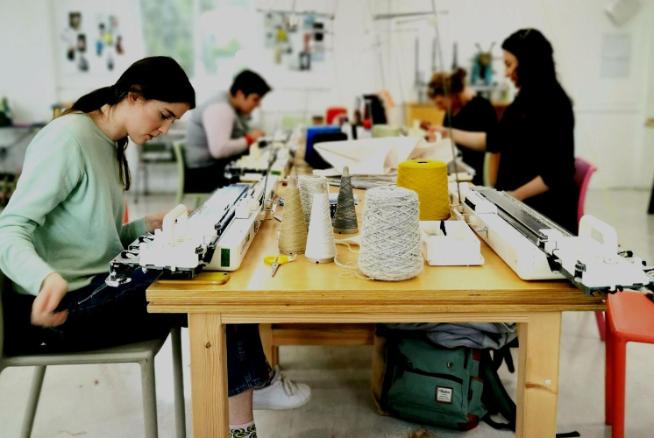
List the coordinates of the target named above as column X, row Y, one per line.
column 616, row 56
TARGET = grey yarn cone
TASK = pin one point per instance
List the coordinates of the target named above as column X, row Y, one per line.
column 345, row 219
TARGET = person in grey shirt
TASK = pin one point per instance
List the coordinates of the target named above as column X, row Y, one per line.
column 218, row 132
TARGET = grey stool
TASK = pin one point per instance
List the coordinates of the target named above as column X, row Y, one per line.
column 141, row 352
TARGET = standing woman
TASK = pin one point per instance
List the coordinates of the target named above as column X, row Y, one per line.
column 63, row 226
column 536, row 134
column 465, row 110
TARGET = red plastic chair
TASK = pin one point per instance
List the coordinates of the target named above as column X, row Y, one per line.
column 583, row 171
column 125, row 214
column 630, row 318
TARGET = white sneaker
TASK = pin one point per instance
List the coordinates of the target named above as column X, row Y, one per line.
column 282, row 393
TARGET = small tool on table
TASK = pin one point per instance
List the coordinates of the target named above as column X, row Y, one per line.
column 276, row 261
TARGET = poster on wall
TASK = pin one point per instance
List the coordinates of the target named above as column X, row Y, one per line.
column 295, row 39
column 102, row 34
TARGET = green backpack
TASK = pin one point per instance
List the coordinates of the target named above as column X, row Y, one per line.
column 432, row 385
column 455, row 388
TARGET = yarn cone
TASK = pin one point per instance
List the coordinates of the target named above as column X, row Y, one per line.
column 390, row 241
column 345, row 219
column 428, row 178
column 293, row 232
column 309, row 185
column 320, row 240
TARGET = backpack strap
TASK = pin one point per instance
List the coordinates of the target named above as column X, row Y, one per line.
column 495, row 397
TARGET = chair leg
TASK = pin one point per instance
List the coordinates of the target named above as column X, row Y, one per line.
column 619, row 387
column 178, row 378
column 608, row 376
column 33, row 401
column 149, row 398
column 601, row 324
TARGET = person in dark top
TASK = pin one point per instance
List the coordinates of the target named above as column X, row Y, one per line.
column 466, row 110
column 536, row 133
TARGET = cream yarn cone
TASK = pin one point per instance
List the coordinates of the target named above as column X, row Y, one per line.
column 293, row 232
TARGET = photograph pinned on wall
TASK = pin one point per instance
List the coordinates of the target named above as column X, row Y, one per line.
column 108, row 42
column 69, row 34
column 295, row 39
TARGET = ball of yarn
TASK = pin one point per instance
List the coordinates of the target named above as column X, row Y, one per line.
column 390, row 241
column 428, row 178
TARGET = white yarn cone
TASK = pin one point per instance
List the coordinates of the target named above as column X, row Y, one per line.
column 308, row 185
column 320, row 241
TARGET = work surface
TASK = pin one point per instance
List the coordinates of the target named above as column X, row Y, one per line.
column 302, row 283
column 303, row 292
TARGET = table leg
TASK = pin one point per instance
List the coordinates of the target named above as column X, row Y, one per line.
column 538, row 375
column 208, row 376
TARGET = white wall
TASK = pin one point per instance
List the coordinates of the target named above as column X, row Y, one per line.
column 369, row 56
column 26, row 59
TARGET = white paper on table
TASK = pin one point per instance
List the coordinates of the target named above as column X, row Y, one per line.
column 439, row 150
column 370, row 156
column 379, row 156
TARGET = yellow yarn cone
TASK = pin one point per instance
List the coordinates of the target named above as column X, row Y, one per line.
column 428, row 178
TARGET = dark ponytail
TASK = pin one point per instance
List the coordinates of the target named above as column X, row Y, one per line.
column 157, row 77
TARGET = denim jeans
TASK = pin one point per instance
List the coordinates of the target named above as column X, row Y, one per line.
column 101, row 316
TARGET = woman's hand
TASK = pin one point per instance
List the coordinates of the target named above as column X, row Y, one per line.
column 437, row 132
column 154, row 221
column 53, row 289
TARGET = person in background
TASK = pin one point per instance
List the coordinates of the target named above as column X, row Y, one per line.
column 218, row 131
column 63, row 226
column 536, row 133
column 465, row 110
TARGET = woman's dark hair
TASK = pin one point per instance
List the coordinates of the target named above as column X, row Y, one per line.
column 536, row 72
column 447, row 84
column 249, row 82
column 154, row 78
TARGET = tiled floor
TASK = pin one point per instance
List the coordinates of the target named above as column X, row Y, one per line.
column 105, row 401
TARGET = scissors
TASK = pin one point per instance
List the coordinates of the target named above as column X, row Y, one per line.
column 275, row 261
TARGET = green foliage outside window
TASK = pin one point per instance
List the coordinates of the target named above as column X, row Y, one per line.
column 168, row 30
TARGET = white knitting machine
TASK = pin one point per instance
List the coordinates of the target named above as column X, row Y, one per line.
column 216, row 236
column 538, row 249
column 266, row 156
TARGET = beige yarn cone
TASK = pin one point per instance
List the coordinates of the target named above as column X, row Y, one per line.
column 293, row 233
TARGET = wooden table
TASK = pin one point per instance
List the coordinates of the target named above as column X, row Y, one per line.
column 305, row 293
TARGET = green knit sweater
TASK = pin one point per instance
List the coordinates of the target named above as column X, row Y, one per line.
column 66, row 213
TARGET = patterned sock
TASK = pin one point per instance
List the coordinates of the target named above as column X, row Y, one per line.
column 247, row 430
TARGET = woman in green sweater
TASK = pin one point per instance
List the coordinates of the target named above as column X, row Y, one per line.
column 63, row 226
